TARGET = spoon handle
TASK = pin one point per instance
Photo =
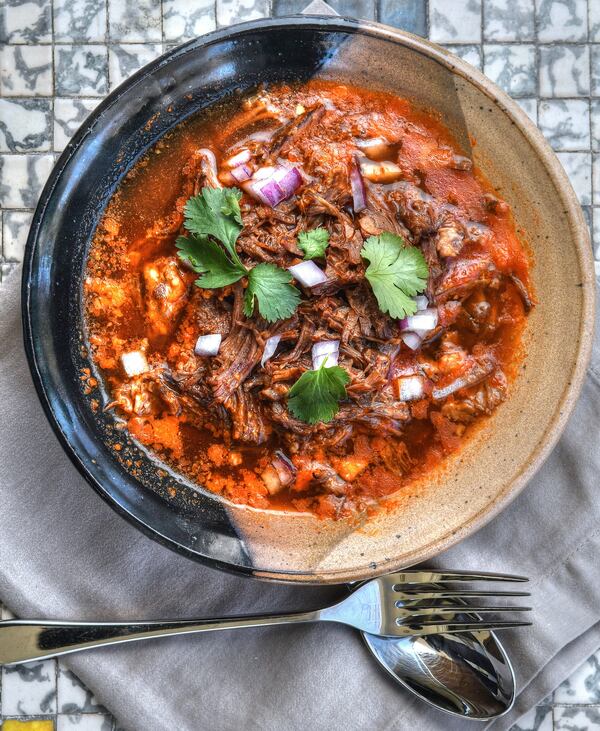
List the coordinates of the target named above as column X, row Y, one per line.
column 23, row 640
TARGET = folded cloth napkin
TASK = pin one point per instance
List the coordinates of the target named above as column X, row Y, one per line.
column 65, row 554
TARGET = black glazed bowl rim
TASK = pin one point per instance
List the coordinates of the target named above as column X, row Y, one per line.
column 88, row 468
column 41, row 370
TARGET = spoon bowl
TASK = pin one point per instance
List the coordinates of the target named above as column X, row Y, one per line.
column 467, row 675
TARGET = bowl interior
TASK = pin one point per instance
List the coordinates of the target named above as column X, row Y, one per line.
column 496, row 462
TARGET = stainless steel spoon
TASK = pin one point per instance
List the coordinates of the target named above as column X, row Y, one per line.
column 467, row 675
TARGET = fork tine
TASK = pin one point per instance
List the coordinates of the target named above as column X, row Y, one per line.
column 415, row 595
column 415, row 576
column 432, row 628
column 456, row 609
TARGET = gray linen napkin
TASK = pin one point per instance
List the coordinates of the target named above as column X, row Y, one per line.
column 64, row 553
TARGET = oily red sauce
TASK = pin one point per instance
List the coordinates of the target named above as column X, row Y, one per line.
column 480, row 325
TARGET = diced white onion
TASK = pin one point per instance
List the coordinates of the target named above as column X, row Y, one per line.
column 423, row 320
column 270, row 348
column 238, row 159
column 422, row 302
column 376, row 146
column 325, row 349
column 380, row 172
column 134, row 363
column 410, row 388
column 308, row 273
column 412, row 340
column 208, row 344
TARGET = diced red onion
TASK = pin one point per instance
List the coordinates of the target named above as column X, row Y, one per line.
column 289, row 180
column 412, row 340
column 207, row 152
column 238, row 159
column 425, row 320
column 409, row 388
column 134, row 363
column 270, row 348
column 380, row 172
column 325, row 349
column 308, row 273
column 241, row 172
column 376, row 146
column 271, row 185
column 284, row 467
column 357, row 185
column 208, row 344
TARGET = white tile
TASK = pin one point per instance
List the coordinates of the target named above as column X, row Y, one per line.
column 562, row 20
column 137, row 21
column 69, row 114
column 5, row 613
column 80, row 21
column 564, row 71
column 596, row 232
column 15, row 229
column 512, row 67
column 565, row 123
column 508, row 20
column 455, row 22
column 22, row 178
column 595, row 67
column 84, row 722
column 73, row 697
column 529, row 106
column 26, row 125
column 596, row 178
column 238, row 11
column 81, row 70
column 537, row 719
column 578, row 166
column 583, row 686
column 572, row 718
column 595, row 119
column 26, row 70
column 125, row 59
column 26, row 21
column 29, row 689
column 183, row 20
column 471, row 53
column 594, row 16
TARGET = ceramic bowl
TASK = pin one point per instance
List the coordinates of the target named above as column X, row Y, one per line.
column 495, row 464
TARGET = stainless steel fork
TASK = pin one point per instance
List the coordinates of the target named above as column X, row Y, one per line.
column 401, row 604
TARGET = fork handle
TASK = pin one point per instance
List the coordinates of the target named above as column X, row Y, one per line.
column 22, row 640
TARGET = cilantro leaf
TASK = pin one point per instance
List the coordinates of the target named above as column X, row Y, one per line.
column 216, row 212
column 208, row 259
column 313, row 243
column 316, row 394
column 214, row 221
column 270, row 285
column 396, row 273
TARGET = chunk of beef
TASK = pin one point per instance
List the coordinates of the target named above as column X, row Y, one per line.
column 462, row 276
column 481, row 400
column 248, row 421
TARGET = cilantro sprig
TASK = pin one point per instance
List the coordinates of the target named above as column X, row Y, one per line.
column 396, row 273
column 314, row 242
column 214, row 222
column 270, row 286
column 316, row 394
